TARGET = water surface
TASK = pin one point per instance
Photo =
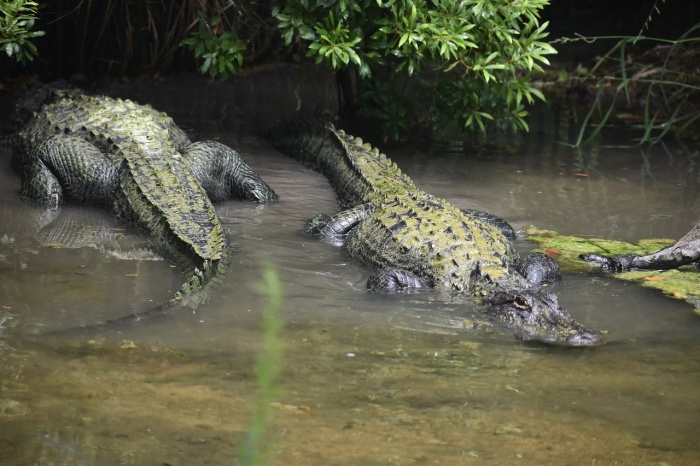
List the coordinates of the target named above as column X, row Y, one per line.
column 367, row 379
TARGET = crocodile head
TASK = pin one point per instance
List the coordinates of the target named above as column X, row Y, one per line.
column 536, row 315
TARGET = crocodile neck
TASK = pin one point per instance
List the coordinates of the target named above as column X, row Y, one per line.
column 488, row 280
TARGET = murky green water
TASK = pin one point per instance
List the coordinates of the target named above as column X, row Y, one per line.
column 367, row 379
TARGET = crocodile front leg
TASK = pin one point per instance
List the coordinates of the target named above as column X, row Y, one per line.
column 336, row 229
column 65, row 167
column 393, row 280
column 223, row 173
column 685, row 251
column 540, row 269
column 490, row 219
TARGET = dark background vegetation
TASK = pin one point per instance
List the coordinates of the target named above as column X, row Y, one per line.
column 657, row 82
column 88, row 40
column 594, row 18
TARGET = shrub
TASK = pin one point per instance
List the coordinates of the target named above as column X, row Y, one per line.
column 466, row 64
column 16, row 21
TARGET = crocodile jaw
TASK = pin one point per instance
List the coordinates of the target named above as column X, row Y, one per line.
column 535, row 315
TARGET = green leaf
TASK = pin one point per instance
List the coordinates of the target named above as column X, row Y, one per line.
column 392, row 42
column 451, row 66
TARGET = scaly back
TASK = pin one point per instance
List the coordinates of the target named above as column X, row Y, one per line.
column 155, row 188
column 357, row 172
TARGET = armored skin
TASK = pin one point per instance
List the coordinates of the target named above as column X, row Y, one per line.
column 685, row 251
column 415, row 239
column 138, row 163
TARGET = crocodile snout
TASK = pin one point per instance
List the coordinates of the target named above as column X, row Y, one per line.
column 585, row 338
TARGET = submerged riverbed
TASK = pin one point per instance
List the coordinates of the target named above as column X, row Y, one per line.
column 367, row 379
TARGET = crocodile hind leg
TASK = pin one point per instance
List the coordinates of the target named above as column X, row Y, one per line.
column 65, row 167
column 223, row 173
column 490, row 219
column 393, row 280
column 685, row 251
column 539, row 269
column 336, row 229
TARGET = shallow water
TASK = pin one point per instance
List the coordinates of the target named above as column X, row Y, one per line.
column 367, row 379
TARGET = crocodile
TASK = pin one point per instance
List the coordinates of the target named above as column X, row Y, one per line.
column 416, row 240
column 136, row 162
column 685, row 251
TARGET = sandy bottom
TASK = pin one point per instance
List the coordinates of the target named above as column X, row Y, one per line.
column 350, row 398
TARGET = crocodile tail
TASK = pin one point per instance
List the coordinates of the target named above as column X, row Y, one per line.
column 300, row 139
column 315, row 144
column 204, row 268
column 193, row 293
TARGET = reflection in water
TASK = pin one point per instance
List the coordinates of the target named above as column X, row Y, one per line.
column 367, row 379
column 626, row 194
column 84, row 260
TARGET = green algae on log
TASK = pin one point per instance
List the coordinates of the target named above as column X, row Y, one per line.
column 681, row 283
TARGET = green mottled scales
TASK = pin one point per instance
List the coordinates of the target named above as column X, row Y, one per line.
column 138, row 163
column 414, row 239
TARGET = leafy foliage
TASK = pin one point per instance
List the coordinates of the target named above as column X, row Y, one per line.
column 661, row 82
column 17, row 18
column 222, row 52
column 136, row 39
column 472, row 58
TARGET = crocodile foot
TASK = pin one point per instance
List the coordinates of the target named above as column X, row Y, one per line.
column 617, row 263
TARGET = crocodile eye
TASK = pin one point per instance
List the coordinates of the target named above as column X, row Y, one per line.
column 521, row 303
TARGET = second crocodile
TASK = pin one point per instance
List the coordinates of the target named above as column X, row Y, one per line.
column 415, row 239
column 138, row 163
